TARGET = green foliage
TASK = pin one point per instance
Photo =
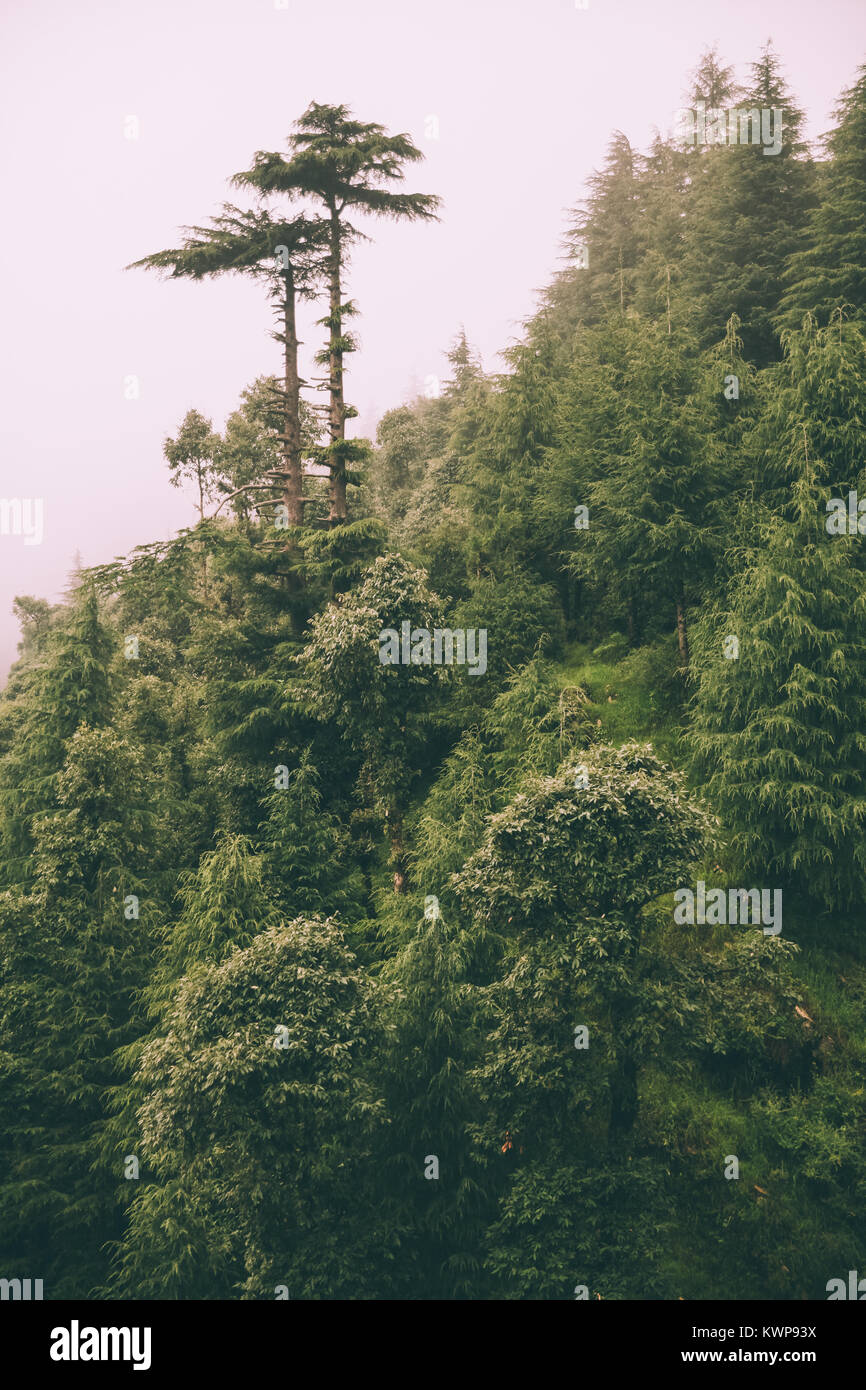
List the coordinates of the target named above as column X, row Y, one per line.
column 828, row 272
column 286, row 923
column 776, row 732
column 258, row 1149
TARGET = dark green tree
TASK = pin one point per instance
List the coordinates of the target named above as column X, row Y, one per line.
column 256, row 1129
column 344, row 164
column 383, row 711
column 286, row 255
column 76, row 950
column 829, row 272
column 777, row 730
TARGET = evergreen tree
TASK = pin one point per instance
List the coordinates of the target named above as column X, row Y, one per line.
column 829, row 272
column 432, row 1181
column 344, row 164
column 746, row 216
column 70, row 688
column 307, row 852
column 652, row 492
column 76, row 948
column 777, row 731
column 286, row 255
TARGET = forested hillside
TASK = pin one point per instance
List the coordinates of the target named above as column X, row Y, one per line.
column 377, row 854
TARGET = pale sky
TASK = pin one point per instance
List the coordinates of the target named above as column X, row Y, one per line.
column 525, row 92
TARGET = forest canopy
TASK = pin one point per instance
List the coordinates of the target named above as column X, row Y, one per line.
column 336, row 966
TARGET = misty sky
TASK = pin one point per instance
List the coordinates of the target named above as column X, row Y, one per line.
column 525, row 92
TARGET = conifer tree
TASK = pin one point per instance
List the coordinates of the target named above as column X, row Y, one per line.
column 284, row 254
column 830, row 271
column 225, row 905
column 71, row 687
column 777, row 731
column 812, row 404
column 342, row 163
column 652, row 493
column 306, row 851
column 432, row 1181
column 746, row 215
column 76, row 949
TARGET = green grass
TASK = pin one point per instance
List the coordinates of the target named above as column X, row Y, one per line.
column 623, row 705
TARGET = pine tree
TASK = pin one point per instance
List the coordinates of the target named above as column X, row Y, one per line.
column 344, row 164
column 430, row 1100
column 285, row 254
column 651, row 492
column 306, row 851
column 746, row 216
column 70, row 688
column 225, row 905
column 830, row 272
column 777, row 731
column 76, row 949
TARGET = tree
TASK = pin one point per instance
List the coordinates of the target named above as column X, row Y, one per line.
column 286, row 255
column 252, row 448
column 426, row 1066
column 590, row 1002
column 830, row 271
column 651, row 489
column 76, row 949
column 225, row 905
column 344, row 164
column 71, row 687
column 191, row 456
column 306, row 851
column 256, row 1126
column 382, row 711
column 766, row 198
column 777, row 732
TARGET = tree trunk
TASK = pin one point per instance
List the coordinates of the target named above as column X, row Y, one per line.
column 203, row 546
column 337, row 419
column 682, row 631
column 293, row 486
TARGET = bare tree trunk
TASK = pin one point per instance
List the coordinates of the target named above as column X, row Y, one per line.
column 682, row 631
column 337, row 419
